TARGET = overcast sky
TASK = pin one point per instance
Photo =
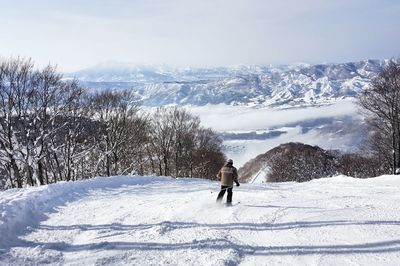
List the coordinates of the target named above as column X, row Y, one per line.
column 76, row 34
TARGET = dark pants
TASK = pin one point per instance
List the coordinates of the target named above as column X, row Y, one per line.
column 222, row 193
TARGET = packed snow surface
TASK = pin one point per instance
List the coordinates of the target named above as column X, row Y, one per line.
column 160, row 220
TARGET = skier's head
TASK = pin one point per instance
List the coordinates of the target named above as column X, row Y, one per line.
column 230, row 161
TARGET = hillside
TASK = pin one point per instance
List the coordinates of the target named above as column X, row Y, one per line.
column 160, row 220
column 284, row 157
column 302, row 162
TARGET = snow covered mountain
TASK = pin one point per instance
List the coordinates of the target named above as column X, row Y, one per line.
column 166, row 221
column 290, row 85
column 261, row 106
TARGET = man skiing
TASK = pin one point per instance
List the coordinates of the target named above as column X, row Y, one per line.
column 227, row 175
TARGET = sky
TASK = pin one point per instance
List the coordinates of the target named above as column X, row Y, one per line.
column 75, row 34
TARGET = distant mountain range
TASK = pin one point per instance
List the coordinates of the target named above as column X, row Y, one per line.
column 254, row 90
column 283, row 86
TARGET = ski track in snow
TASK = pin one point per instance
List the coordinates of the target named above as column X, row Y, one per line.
column 161, row 221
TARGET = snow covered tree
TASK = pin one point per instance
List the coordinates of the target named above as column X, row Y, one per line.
column 31, row 103
column 181, row 147
column 208, row 157
column 53, row 130
column 50, row 104
column 359, row 166
column 185, row 126
column 162, row 137
column 300, row 162
column 14, row 87
column 124, row 131
column 381, row 101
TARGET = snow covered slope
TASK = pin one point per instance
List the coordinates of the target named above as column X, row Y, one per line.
column 160, row 220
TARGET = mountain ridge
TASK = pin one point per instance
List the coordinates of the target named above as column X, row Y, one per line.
column 282, row 86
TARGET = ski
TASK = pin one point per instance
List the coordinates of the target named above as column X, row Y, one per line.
column 232, row 204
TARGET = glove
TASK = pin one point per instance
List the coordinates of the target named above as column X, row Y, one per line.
column 237, row 184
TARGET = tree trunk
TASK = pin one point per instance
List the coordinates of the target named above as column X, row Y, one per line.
column 141, row 163
column 38, row 173
column 10, row 176
column 46, row 174
column 160, row 167
column 30, row 176
column 166, row 170
column 116, row 159
column 108, row 165
column 152, row 164
column 15, row 172
column 394, row 152
column 58, row 167
column 398, row 149
column 68, row 157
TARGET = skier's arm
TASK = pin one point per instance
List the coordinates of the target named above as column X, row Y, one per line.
column 236, row 177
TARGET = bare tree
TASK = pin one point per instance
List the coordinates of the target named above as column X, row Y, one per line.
column 118, row 111
column 31, row 103
column 381, row 101
column 15, row 85
column 185, row 127
column 162, row 138
column 359, row 166
column 300, row 162
column 182, row 147
column 208, row 156
column 52, row 130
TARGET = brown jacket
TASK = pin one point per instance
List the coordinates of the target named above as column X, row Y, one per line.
column 227, row 175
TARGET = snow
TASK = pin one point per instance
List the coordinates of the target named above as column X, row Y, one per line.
column 161, row 220
column 260, row 176
column 20, row 208
column 300, row 125
column 290, row 85
column 225, row 118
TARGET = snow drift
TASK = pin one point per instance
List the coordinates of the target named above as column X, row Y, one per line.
column 161, row 220
column 21, row 208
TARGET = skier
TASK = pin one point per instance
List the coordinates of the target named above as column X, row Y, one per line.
column 227, row 175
